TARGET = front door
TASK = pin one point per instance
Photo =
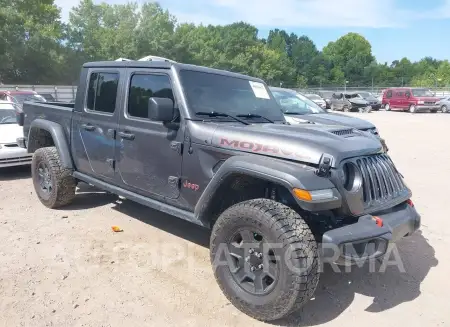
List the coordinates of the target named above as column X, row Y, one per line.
column 94, row 126
column 149, row 158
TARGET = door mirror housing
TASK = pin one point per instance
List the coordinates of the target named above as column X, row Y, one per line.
column 160, row 109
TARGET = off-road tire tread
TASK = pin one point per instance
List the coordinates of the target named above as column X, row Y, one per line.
column 293, row 231
column 64, row 193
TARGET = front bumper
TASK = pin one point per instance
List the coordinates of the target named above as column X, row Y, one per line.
column 12, row 155
column 427, row 107
column 365, row 239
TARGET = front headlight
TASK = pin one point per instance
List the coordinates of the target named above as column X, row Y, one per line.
column 353, row 178
column 420, row 102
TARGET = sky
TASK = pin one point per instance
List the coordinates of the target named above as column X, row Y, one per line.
column 395, row 28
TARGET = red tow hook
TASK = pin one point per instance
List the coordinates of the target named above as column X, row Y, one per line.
column 410, row 203
column 378, row 221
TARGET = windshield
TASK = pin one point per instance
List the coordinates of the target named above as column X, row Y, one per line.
column 422, row 93
column 296, row 103
column 21, row 98
column 206, row 92
column 366, row 95
column 7, row 116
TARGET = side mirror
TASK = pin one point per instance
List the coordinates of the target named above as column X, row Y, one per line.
column 160, row 109
column 20, row 118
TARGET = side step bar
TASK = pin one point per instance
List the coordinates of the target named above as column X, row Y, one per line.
column 151, row 203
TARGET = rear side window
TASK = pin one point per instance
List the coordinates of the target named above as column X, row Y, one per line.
column 142, row 88
column 102, row 92
column 400, row 94
column 389, row 94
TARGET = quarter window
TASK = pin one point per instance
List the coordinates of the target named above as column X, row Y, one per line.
column 102, row 92
column 142, row 88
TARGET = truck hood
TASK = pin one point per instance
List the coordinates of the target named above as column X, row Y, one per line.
column 371, row 99
column 304, row 142
column 9, row 133
column 330, row 119
column 358, row 101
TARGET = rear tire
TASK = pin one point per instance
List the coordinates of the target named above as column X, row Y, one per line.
column 54, row 185
column 346, row 109
column 290, row 274
column 444, row 109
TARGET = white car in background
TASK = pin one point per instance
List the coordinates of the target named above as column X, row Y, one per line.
column 10, row 152
column 317, row 99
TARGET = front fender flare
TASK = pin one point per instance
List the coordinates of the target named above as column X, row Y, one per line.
column 59, row 139
column 288, row 174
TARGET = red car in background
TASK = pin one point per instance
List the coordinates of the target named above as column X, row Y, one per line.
column 410, row 99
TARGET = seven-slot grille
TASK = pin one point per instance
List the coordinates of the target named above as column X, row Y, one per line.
column 381, row 180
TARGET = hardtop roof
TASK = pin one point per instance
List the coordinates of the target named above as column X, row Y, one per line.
column 165, row 65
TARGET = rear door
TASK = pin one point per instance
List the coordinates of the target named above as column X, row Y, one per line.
column 95, row 125
column 400, row 99
column 149, row 157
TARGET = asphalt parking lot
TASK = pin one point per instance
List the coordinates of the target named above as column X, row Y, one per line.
column 67, row 268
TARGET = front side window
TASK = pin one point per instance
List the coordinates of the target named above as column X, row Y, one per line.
column 206, row 92
column 102, row 92
column 146, row 86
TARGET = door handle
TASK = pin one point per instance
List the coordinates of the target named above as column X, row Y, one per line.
column 88, row 127
column 126, row 136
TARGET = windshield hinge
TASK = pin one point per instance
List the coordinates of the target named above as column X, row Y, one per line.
column 324, row 165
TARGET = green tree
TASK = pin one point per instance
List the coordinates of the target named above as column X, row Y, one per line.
column 29, row 35
column 351, row 52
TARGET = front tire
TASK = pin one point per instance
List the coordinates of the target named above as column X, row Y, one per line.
column 346, row 109
column 412, row 109
column 444, row 109
column 387, row 107
column 265, row 258
column 54, row 185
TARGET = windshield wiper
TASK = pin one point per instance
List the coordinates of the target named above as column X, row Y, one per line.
column 221, row 114
column 294, row 113
column 250, row 115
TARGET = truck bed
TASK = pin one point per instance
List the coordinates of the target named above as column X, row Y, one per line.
column 57, row 112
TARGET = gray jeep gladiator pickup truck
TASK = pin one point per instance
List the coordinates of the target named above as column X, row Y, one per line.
column 213, row 147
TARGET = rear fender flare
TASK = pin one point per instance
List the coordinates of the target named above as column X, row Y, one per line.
column 59, row 139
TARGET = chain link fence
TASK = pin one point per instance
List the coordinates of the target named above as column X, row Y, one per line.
column 65, row 93
column 376, row 90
